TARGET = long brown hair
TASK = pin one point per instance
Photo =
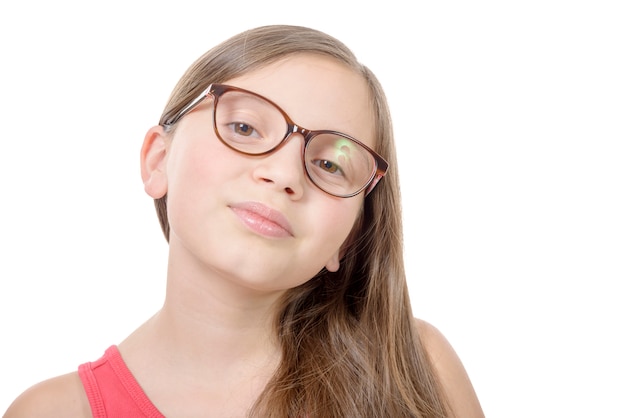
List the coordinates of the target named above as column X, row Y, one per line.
column 349, row 345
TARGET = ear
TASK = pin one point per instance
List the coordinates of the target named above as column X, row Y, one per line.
column 333, row 264
column 335, row 261
column 153, row 158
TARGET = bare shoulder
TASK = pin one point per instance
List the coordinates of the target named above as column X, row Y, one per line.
column 451, row 371
column 61, row 396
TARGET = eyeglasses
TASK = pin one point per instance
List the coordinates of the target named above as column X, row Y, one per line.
column 338, row 164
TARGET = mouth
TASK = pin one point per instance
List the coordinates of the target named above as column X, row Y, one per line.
column 262, row 219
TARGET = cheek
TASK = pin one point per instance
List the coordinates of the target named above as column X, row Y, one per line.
column 194, row 172
column 339, row 222
column 199, row 163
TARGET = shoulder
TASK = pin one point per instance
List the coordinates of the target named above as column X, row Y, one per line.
column 61, row 396
column 450, row 369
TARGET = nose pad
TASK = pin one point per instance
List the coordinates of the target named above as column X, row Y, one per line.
column 284, row 168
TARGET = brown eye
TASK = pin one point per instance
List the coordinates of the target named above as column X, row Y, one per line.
column 243, row 129
column 328, row 166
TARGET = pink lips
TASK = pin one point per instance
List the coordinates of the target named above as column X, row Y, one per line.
column 262, row 219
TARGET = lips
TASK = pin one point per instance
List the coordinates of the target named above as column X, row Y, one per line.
column 262, row 219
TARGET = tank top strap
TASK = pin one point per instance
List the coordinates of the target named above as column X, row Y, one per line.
column 112, row 389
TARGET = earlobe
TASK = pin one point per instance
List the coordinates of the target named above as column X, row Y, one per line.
column 153, row 158
column 333, row 264
column 335, row 261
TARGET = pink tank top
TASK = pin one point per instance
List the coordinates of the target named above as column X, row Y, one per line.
column 113, row 391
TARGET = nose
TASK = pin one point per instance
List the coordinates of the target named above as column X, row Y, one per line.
column 283, row 169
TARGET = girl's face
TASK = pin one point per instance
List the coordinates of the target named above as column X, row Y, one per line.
column 258, row 221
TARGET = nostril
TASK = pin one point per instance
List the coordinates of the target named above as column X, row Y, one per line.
column 289, row 190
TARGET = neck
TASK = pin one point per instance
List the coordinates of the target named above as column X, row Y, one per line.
column 210, row 322
column 211, row 337
column 210, row 313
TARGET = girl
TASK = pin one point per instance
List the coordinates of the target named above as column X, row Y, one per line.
column 274, row 175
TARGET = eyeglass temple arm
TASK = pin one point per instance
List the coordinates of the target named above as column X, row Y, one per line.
column 189, row 107
column 374, row 183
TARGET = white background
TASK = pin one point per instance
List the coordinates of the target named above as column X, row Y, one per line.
column 511, row 124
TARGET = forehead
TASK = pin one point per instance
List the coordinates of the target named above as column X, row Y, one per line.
column 317, row 92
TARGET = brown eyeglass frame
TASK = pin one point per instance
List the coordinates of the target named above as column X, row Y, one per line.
column 217, row 90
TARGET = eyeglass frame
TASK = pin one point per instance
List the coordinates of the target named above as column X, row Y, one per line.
column 216, row 90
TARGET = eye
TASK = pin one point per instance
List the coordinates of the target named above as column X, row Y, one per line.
column 243, row 129
column 328, row 166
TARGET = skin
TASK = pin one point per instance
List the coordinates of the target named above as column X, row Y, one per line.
column 221, row 293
